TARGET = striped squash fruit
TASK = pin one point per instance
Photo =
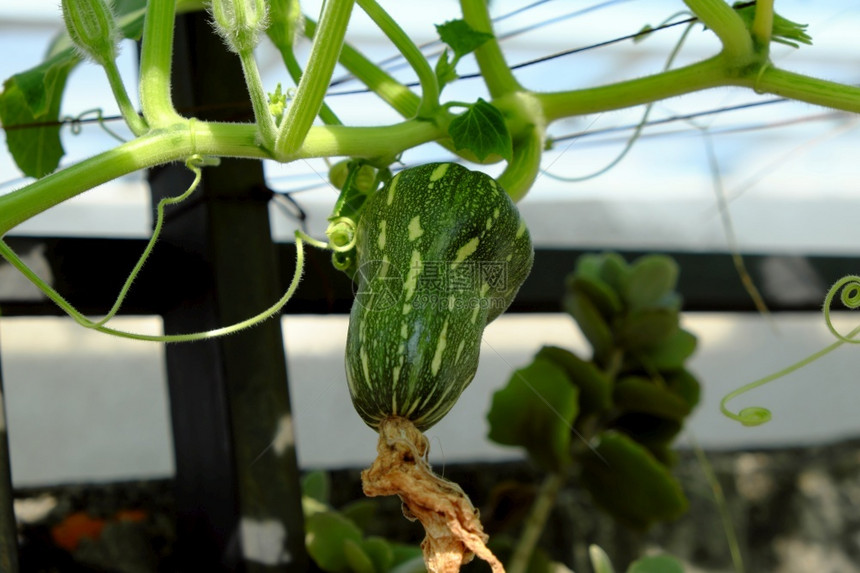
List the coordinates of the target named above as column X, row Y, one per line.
column 441, row 252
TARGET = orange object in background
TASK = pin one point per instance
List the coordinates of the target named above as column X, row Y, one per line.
column 79, row 525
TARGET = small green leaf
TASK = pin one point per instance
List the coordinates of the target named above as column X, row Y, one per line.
column 615, row 271
column 380, row 553
column 672, row 352
column 503, row 547
column 652, row 277
column 600, row 293
column 656, row 564
column 445, row 69
column 645, row 329
column 626, row 480
column 414, row 564
column 591, row 323
column 358, row 560
column 482, row 130
column 326, row 535
column 600, row 560
column 462, row 38
column 685, row 385
column 595, row 389
column 32, row 100
column 588, row 265
column 34, row 97
column 653, row 432
column 536, row 410
column 316, row 486
column 637, row 394
column 361, row 512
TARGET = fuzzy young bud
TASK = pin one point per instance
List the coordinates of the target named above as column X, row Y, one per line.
column 92, row 28
column 240, row 22
column 286, row 22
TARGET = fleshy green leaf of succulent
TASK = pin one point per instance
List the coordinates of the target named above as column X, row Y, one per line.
column 595, row 388
column 601, row 294
column 316, row 486
column 326, row 534
column 92, row 28
column 638, row 394
column 356, row 558
column 592, row 324
column 600, row 560
column 685, row 385
column 626, row 480
column 482, row 130
column 239, row 22
column 655, row 433
column 671, row 353
column 656, row 564
column 380, row 553
column 652, row 278
column 645, row 328
column 615, row 271
column 536, row 410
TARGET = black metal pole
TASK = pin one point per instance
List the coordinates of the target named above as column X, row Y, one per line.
column 237, row 480
column 8, row 529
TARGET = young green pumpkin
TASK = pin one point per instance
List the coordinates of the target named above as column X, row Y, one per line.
column 441, row 252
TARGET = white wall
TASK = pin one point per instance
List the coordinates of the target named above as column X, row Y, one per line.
column 82, row 406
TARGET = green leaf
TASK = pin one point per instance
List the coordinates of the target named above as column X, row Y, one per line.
column 589, row 265
column 361, row 512
column 358, row 560
column 326, row 536
column 685, row 385
column 626, row 480
column 503, row 547
column 482, row 130
column 414, row 564
column 653, row 432
column 316, row 486
column 445, row 69
column 462, row 38
column 672, row 352
column 637, row 394
column 646, row 328
column 536, row 410
column 615, row 271
column 600, row 560
column 652, row 277
column 32, row 100
column 656, row 564
column 600, row 293
column 591, row 323
column 380, row 553
column 595, row 389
